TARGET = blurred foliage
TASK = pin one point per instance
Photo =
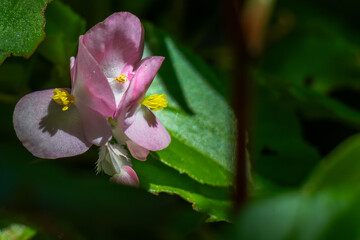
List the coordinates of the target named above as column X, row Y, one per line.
column 63, row 28
column 16, row 231
column 325, row 208
column 308, row 67
column 306, row 98
column 306, row 102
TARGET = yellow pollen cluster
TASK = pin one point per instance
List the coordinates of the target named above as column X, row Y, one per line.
column 63, row 98
column 155, row 102
column 122, row 78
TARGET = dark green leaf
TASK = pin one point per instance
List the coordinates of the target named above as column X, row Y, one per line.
column 340, row 169
column 65, row 196
column 156, row 178
column 316, row 105
column 282, row 155
column 311, row 48
column 63, row 28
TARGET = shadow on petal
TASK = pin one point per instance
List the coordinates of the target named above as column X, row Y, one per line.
column 47, row 131
column 150, row 118
column 147, row 131
column 67, row 121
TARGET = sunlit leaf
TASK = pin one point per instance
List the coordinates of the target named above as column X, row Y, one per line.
column 200, row 121
column 21, row 26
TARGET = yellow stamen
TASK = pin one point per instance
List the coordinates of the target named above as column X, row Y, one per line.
column 122, row 78
column 155, row 102
column 63, row 98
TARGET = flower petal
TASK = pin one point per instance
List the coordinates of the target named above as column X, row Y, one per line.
column 47, row 131
column 118, row 89
column 137, row 151
column 117, row 43
column 96, row 128
column 112, row 157
column 138, row 123
column 147, row 131
column 127, row 176
column 145, row 72
column 91, row 87
column 72, row 71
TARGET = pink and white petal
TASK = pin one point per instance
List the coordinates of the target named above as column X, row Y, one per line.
column 145, row 73
column 117, row 43
column 137, row 151
column 96, row 128
column 127, row 176
column 72, row 71
column 47, row 131
column 147, row 131
column 118, row 89
column 92, row 88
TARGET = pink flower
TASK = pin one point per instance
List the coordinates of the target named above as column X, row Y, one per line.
column 138, row 127
column 51, row 131
column 116, row 46
column 109, row 81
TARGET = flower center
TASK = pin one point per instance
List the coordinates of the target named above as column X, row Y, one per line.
column 63, row 98
column 122, row 78
column 155, row 102
column 112, row 122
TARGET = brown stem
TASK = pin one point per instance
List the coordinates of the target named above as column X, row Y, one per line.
column 232, row 10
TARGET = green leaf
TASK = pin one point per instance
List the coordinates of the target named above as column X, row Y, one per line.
column 292, row 216
column 200, row 158
column 346, row 224
column 21, row 26
column 281, row 153
column 316, row 105
column 200, row 121
column 17, row 231
column 340, row 169
column 155, row 177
